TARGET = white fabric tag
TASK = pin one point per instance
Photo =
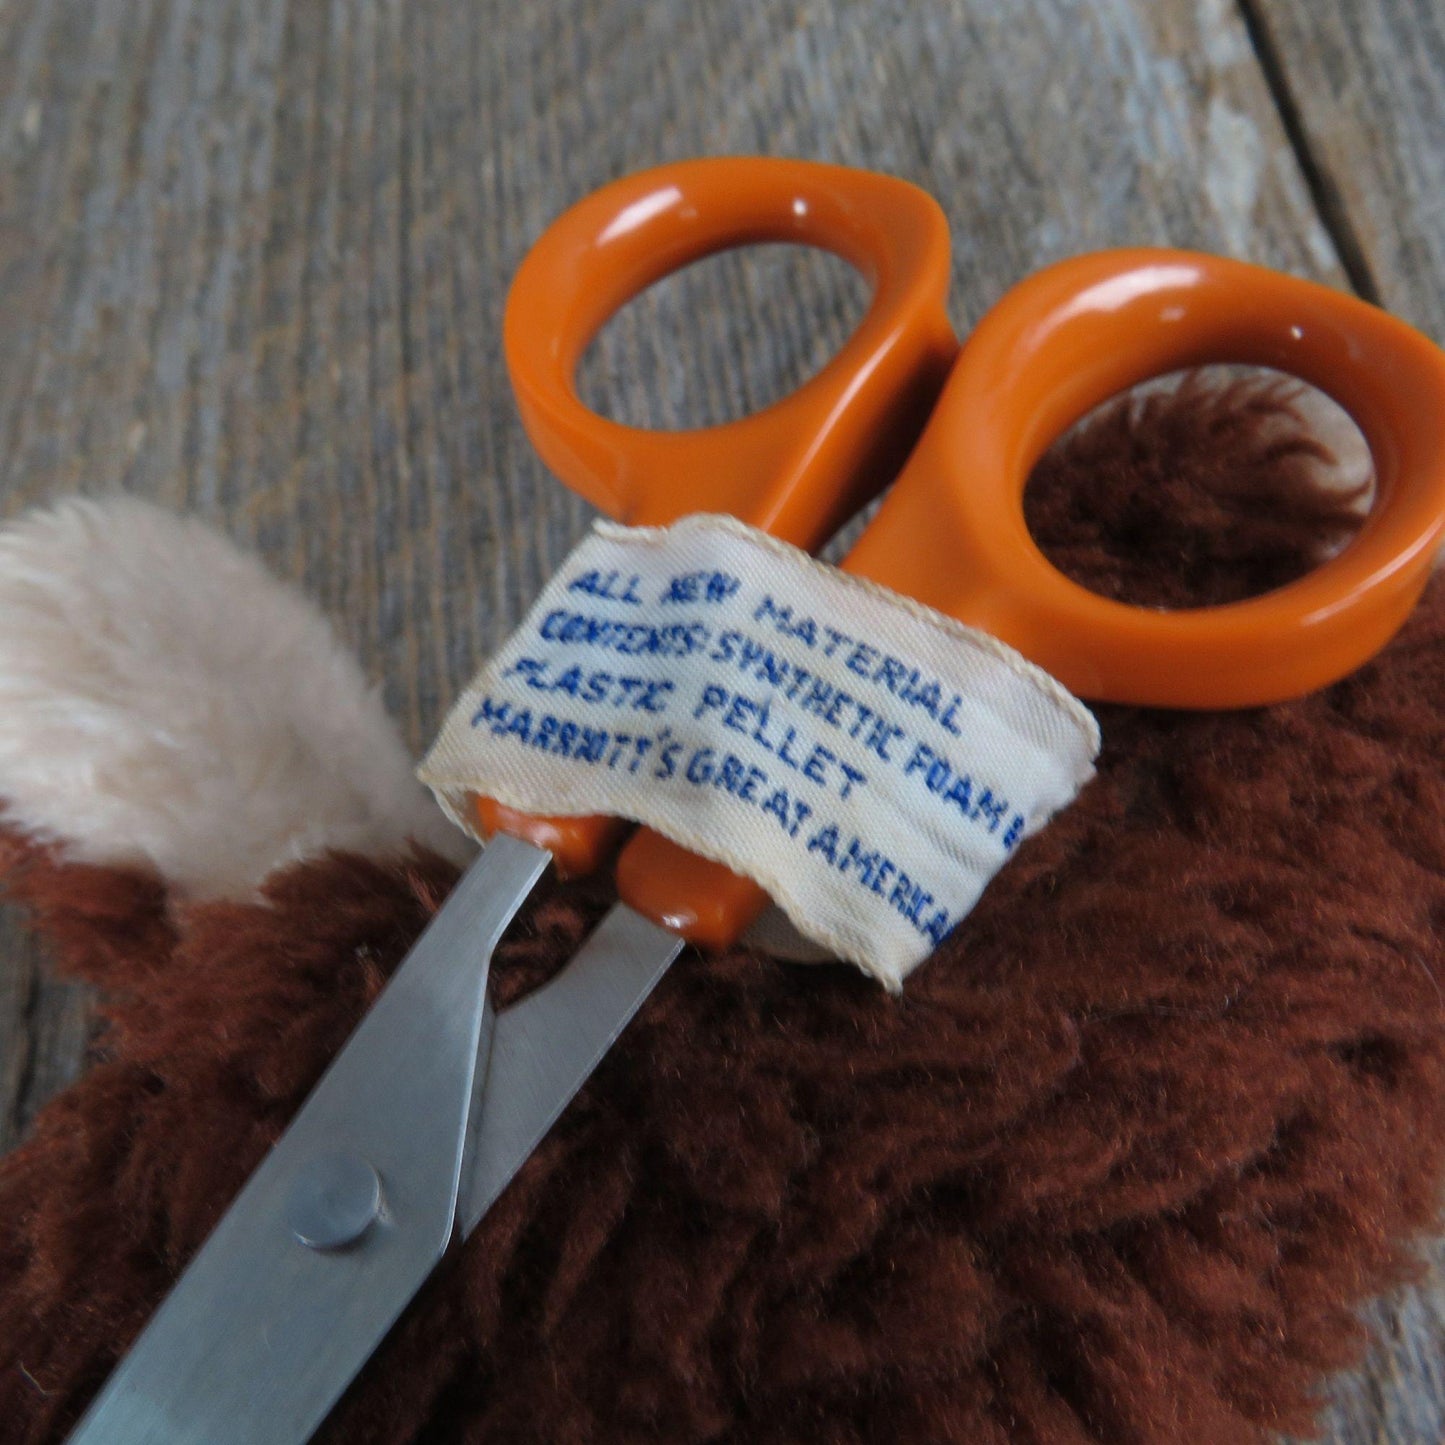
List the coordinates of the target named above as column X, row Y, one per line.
column 869, row 761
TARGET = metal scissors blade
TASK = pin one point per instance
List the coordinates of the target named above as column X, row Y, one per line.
column 346, row 1216
column 545, row 1047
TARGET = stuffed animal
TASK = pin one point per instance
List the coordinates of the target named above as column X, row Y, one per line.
column 1119, row 1164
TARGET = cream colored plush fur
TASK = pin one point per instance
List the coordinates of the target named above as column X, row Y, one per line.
column 165, row 701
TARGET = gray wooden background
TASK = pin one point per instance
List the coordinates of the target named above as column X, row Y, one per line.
column 253, row 258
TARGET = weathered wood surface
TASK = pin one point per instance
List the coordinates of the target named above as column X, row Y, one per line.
column 253, row 259
column 1362, row 83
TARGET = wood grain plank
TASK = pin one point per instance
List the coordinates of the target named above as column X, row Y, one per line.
column 46, row 1026
column 1366, row 88
column 253, row 259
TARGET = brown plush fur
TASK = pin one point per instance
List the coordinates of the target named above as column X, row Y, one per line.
column 1114, row 1168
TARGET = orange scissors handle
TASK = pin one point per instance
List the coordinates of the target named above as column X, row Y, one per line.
column 951, row 532
column 798, row 468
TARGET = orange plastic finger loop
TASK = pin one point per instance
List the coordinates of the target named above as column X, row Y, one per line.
column 952, row 531
column 798, row 468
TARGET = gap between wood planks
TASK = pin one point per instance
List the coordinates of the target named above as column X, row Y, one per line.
column 1333, row 213
column 18, row 1106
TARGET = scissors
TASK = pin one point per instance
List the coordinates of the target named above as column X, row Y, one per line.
column 437, row 1099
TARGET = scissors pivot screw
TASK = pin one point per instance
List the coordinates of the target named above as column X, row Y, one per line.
column 334, row 1201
